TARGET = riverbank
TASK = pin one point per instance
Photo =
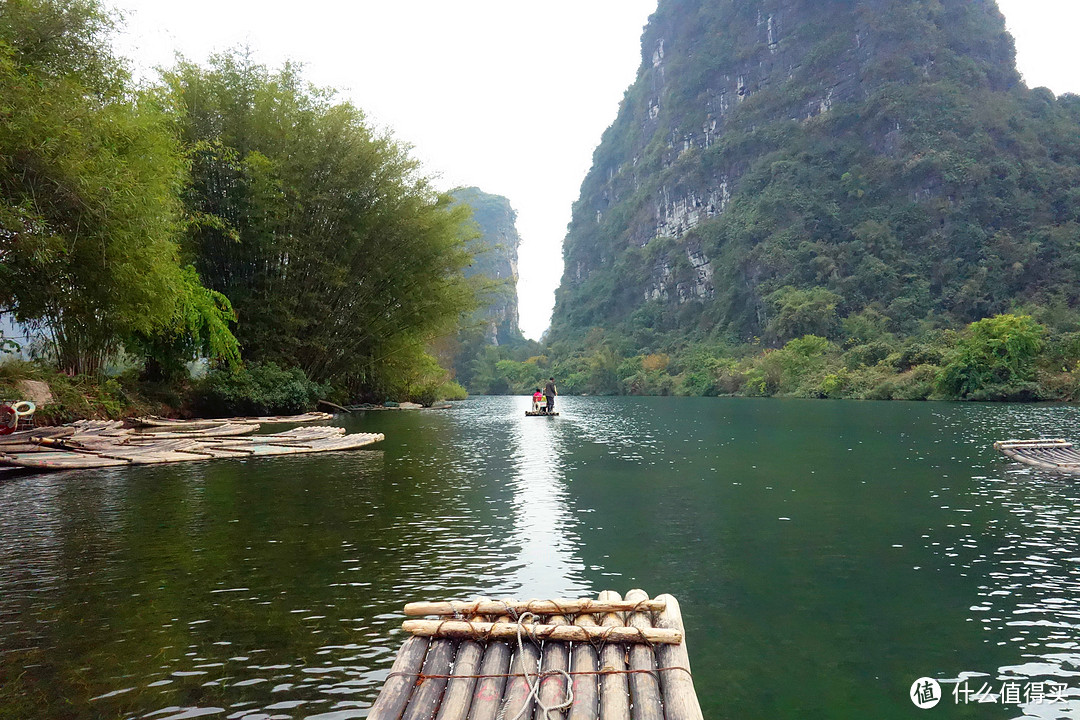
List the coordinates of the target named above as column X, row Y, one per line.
column 1007, row 357
column 64, row 398
column 257, row 390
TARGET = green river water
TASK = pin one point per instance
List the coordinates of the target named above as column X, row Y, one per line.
column 826, row 555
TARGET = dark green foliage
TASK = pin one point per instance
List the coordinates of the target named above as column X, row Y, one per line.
column 90, row 174
column 995, row 360
column 803, row 312
column 256, row 389
column 877, row 173
column 338, row 256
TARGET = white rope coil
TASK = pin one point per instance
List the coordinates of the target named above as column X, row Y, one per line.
column 534, row 690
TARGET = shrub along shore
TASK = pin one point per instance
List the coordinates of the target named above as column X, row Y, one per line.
column 254, row 390
column 1009, row 357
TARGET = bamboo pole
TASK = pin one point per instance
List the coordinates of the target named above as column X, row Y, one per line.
column 614, row 690
column 644, row 689
column 518, row 696
column 583, row 659
column 552, row 692
column 399, row 686
column 560, row 633
column 1031, row 443
column 489, row 691
column 428, row 692
column 537, row 607
column 459, row 689
column 680, row 698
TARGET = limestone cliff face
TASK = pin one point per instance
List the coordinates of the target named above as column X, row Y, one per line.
column 496, row 257
column 819, row 143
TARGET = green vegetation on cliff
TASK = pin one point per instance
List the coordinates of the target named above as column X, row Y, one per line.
column 790, row 168
column 1004, row 357
column 492, row 332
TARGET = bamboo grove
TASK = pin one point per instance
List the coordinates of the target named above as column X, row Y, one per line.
column 227, row 211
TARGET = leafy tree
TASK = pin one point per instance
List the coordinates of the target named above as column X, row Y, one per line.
column 338, row 256
column 995, row 359
column 89, row 193
column 803, row 312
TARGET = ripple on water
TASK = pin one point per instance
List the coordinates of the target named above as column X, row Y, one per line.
column 271, row 588
column 1026, row 557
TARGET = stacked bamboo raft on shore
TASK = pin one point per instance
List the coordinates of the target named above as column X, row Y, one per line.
column 605, row 659
column 1055, row 454
column 155, row 421
column 102, row 444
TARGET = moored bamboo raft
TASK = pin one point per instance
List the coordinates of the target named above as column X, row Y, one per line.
column 580, row 659
column 1048, row 454
column 88, row 451
column 154, row 421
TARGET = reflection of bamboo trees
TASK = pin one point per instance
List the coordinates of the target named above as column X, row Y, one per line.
column 156, row 569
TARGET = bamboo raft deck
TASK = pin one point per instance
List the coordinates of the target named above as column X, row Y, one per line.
column 101, row 444
column 605, row 659
column 530, row 413
column 1054, row 454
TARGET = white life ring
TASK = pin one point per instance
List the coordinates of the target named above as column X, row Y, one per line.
column 11, row 414
column 23, row 408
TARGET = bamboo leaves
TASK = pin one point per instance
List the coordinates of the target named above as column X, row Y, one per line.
column 333, row 248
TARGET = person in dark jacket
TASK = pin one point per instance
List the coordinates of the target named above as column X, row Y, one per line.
column 550, row 392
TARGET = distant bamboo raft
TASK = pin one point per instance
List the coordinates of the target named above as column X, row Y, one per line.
column 1047, row 454
column 609, row 658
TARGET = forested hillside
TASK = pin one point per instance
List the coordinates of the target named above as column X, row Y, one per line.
column 856, row 171
column 879, row 154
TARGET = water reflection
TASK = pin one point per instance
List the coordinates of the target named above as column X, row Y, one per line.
column 1027, row 561
column 826, row 555
column 548, row 561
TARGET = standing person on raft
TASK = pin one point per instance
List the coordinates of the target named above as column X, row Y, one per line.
column 550, row 392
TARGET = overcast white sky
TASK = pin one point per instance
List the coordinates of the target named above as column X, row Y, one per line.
column 509, row 96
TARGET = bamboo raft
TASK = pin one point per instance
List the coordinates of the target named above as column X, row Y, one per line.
column 530, row 413
column 100, row 444
column 605, row 659
column 155, row 421
column 1057, row 455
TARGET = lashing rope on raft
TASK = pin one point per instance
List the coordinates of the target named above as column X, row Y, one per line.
column 534, row 690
